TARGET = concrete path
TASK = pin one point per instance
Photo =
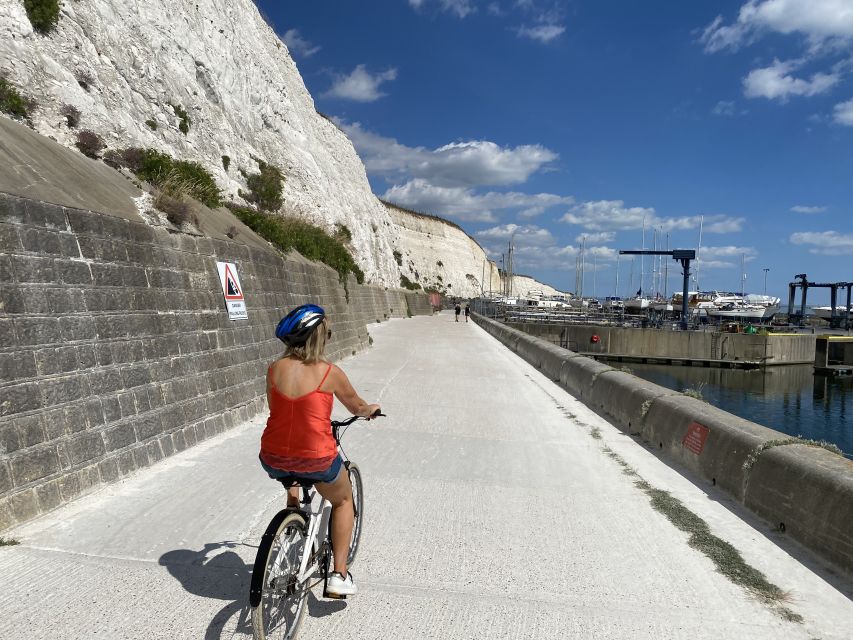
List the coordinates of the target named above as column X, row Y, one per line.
column 492, row 511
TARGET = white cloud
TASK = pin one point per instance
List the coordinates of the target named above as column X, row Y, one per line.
column 843, row 113
column 605, row 215
column 463, row 203
column 806, row 209
column 522, row 236
column 602, row 237
column 724, row 108
column 298, row 45
column 458, row 164
column 724, row 257
column 536, row 248
column 776, row 82
column 818, row 20
column 360, row 85
column 460, row 8
column 829, row 243
column 542, row 32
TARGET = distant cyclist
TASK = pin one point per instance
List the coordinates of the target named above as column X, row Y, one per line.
column 297, row 443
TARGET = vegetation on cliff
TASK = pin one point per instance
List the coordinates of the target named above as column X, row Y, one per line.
column 43, row 14
column 288, row 233
column 265, row 187
column 175, row 177
column 12, row 102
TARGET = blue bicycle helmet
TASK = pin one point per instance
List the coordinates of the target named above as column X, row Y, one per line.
column 296, row 327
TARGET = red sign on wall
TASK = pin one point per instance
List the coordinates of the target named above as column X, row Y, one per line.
column 694, row 439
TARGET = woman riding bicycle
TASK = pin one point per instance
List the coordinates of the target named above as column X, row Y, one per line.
column 297, row 444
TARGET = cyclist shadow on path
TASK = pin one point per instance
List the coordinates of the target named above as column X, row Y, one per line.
column 224, row 575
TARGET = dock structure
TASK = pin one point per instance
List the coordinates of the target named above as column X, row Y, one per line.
column 713, row 363
column 802, row 282
column 833, row 355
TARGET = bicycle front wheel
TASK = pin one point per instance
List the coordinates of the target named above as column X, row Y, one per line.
column 277, row 600
column 358, row 506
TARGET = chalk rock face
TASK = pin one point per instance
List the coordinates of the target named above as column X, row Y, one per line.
column 137, row 69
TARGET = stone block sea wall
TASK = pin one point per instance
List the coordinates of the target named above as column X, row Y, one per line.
column 116, row 349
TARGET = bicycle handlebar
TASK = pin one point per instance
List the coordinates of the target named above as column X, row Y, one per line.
column 338, row 424
column 351, row 419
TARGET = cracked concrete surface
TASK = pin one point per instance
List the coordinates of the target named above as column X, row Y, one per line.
column 491, row 512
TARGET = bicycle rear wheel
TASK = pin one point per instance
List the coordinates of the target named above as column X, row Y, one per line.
column 358, row 506
column 277, row 601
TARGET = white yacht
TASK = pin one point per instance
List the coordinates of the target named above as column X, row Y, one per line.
column 636, row 304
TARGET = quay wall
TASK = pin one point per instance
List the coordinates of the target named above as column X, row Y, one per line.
column 767, row 349
column 116, row 350
column 805, row 491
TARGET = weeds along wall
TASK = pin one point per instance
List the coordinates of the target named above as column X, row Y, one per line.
column 116, row 350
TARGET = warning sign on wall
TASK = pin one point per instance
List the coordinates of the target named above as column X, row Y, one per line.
column 232, row 291
column 694, row 439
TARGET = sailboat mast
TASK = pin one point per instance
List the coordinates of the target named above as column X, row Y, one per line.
column 742, row 274
column 616, row 288
column 699, row 251
column 642, row 261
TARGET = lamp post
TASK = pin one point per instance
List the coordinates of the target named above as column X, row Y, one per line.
column 765, row 270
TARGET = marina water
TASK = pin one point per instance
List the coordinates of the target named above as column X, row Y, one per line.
column 789, row 399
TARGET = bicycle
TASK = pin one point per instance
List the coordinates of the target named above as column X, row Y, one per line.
column 295, row 554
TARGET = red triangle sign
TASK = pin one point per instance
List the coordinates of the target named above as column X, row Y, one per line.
column 232, row 290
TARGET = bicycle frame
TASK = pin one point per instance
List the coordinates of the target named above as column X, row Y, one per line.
column 318, row 528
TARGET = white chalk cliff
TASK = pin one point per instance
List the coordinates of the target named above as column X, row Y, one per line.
column 220, row 62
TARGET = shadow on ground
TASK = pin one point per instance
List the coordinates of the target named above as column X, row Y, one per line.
column 217, row 572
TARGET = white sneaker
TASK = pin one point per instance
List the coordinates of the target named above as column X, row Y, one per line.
column 340, row 586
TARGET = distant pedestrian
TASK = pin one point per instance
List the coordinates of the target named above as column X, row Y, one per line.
column 458, row 311
column 467, row 311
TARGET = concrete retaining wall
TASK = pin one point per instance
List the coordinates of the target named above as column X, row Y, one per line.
column 805, row 491
column 116, row 350
column 769, row 349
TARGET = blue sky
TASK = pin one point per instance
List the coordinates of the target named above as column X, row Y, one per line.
column 554, row 120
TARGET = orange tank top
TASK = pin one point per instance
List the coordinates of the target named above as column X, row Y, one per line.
column 299, row 427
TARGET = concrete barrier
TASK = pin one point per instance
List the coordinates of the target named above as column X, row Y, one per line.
column 579, row 374
column 623, row 397
column 803, row 490
column 808, row 493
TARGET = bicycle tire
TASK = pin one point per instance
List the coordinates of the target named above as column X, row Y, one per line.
column 358, row 507
column 270, row 550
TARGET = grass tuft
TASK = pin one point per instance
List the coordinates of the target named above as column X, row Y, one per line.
column 752, row 458
column 595, row 432
column 8, row 542
column 169, row 175
column 695, row 392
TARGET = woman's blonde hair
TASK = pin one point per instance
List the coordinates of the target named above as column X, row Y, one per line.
column 314, row 348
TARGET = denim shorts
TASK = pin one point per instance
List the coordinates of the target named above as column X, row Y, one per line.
column 288, row 478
